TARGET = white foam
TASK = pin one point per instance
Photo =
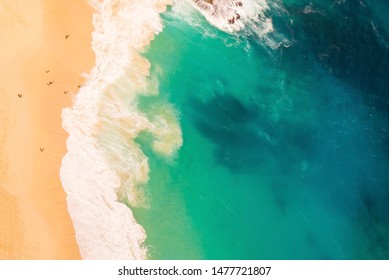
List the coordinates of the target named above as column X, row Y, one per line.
column 238, row 17
column 235, row 15
column 103, row 161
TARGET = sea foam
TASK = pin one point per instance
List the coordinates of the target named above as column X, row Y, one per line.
column 104, row 166
column 236, row 15
column 242, row 18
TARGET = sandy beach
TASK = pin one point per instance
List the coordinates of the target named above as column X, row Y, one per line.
column 45, row 46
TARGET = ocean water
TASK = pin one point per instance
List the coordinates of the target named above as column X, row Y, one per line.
column 266, row 140
column 284, row 150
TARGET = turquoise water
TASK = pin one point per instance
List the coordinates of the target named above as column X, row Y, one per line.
column 285, row 152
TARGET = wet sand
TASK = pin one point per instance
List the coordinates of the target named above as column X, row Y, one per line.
column 34, row 221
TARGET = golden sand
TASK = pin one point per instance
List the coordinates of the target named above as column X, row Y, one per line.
column 34, row 51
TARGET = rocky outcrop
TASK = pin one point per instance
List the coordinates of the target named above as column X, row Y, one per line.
column 223, row 13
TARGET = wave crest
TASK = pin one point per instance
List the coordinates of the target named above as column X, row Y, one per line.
column 243, row 18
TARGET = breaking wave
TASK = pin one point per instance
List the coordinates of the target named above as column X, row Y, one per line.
column 104, row 168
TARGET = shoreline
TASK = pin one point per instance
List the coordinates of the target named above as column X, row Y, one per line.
column 37, row 224
column 104, row 169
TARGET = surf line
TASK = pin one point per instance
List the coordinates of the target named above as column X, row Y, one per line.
column 104, row 169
